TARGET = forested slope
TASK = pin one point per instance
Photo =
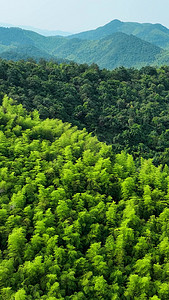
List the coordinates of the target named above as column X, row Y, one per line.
column 127, row 108
column 77, row 222
column 115, row 50
column 156, row 34
column 109, row 51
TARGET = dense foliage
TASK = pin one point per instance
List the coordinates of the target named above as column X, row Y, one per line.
column 75, row 221
column 80, row 219
column 126, row 108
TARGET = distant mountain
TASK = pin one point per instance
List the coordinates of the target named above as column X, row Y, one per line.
column 48, row 32
column 17, row 36
column 17, row 43
column 118, row 49
column 108, row 51
column 44, row 32
column 153, row 33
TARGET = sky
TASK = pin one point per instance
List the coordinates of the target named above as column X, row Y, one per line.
column 80, row 15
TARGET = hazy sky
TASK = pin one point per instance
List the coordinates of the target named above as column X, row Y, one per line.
column 80, row 15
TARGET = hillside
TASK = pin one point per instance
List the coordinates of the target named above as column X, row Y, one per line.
column 20, row 37
column 116, row 50
column 84, row 164
column 126, row 108
column 25, row 52
column 29, row 53
column 156, row 34
column 77, row 222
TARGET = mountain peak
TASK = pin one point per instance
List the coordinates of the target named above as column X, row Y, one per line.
column 116, row 21
column 114, row 44
column 156, row 34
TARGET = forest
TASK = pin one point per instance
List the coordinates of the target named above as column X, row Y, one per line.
column 125, row 108
column 77, row 221
column 84, row 182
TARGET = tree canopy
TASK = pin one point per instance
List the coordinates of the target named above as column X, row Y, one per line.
column 76, row 220
column 126, row 108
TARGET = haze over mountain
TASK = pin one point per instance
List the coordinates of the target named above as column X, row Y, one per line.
column 44, row 32
column 115, row 44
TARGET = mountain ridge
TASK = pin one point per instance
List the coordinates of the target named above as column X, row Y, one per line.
column 110, row 47
column 141, row 30
column 119, row 49
column 44, row 32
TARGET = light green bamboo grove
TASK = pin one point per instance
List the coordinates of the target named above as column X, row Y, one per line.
column 77, row 221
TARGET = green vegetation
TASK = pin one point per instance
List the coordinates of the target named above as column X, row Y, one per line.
column 25, row 52
column 77, row 222
column 118, row 49
column 84, row 215
column 126, row 108
column 113, row 45
column 156, row 34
